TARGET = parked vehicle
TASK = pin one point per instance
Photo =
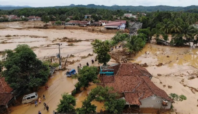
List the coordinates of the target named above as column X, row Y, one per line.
column 29, row 98
column 70, row 73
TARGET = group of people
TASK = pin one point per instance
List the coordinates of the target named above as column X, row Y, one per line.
column 45, row 105
column 92, row 61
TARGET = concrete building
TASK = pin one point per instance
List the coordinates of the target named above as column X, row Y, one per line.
column 121, row 25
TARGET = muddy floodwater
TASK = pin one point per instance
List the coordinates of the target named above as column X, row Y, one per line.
column 174, row 69
column 43, row 42
column 177, row 73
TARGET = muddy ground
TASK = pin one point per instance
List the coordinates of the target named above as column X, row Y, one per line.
column 175, row 71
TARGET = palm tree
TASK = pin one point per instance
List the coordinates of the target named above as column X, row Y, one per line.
column 187, row 34
column 135, row 44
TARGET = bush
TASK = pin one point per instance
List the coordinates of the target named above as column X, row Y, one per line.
column 71, row 44
column 174, row 96
column 67, row 104
column 8, row 36
column 182, row 97
column 74, row 92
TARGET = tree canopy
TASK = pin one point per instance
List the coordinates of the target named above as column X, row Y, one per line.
column 67, row 104
column 177, row 24
column 23, row 69
column 101, row 48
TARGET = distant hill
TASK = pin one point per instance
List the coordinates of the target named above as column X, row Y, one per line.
column 13, row 7
column 116, row 7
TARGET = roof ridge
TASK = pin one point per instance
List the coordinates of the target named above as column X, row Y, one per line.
column 118, row 69
column 144, row 80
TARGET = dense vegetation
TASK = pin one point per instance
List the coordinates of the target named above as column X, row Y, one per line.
column 177, row 24
column 101, row 48
column 116, row 7
column 62, row 14
column 132, row 44
column 67, row 104
column 23, row 69
column 102, row 94
column 85, row 76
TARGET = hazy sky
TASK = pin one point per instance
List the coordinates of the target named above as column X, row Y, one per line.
column 38, row 3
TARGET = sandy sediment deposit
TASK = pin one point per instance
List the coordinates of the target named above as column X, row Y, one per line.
column 43, row 41
column 175, row 71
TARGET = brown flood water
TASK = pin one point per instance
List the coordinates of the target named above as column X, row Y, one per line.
column 58, row 85
column 178, row 73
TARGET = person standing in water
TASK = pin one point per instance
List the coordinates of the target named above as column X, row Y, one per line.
column 39, row 100
column 39, row 112
column 43, row 97
column 35, row 103
column 47, row 108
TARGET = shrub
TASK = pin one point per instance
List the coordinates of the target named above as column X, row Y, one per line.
column 182, row 97
column 8, row 36
column 71, row 44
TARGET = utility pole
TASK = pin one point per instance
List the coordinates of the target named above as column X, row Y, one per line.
column 59, row 56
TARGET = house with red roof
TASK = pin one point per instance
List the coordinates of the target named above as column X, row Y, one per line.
column 34, row 18
column 134, row 84
column 5, row 93
column 119, row 24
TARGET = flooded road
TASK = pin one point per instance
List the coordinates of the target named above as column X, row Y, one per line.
column 58, row 85
column 175, row 71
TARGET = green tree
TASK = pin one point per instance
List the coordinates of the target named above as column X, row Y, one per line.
column 115, row 106
column 101, row 48
column 67, row 104
column 1, row 66
column 119, row 37
column 127, row 24
column 58, row 22
column 45, row 18
column 87, row 75
column 135, row 44
column 23, row 69
column 87, row 108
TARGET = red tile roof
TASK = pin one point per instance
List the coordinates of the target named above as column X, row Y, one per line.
column 5, row 98
column 114, row 24
column 4, row 87
column 128, row 69
column 5, row 92
column 134, row 84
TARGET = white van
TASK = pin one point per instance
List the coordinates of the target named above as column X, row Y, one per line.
column 29, row 98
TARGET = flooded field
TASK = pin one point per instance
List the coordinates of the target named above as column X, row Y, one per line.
column 175, row 71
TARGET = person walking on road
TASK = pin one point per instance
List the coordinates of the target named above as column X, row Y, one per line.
column 39, row 112
column 44, row 105
column 47, row 108
column 39, row 100
column 92, row 61
column 43, row 97
column 35, row 103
